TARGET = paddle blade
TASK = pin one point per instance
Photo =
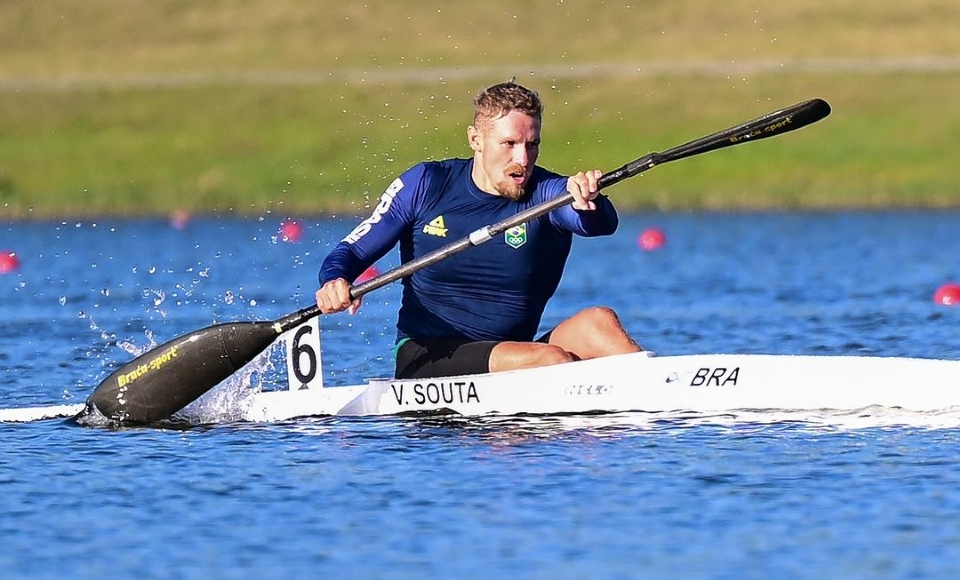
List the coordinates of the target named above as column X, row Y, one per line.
column 157, row 384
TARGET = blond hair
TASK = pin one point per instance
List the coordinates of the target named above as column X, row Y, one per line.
column 498, row 100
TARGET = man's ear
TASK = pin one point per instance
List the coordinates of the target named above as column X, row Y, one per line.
column 474, row 138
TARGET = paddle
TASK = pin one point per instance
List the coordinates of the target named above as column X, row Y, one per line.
column 157, row 384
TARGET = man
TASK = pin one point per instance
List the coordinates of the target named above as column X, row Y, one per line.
column 478, row 311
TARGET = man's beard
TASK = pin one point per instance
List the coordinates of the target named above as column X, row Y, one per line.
column 510, row 189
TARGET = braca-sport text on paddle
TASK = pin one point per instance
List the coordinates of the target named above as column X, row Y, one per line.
column 158, row 383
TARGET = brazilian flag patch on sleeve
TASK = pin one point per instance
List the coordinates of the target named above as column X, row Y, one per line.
column 516, row 236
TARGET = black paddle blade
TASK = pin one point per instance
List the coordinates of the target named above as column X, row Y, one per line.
column 157, row 384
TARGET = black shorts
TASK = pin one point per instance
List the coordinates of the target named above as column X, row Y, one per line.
column 443, row 357
column 424, row 358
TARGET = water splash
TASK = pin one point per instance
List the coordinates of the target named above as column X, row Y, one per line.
column 133, row 349
column 230, row 401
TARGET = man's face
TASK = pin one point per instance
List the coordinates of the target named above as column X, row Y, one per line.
column 505, row 151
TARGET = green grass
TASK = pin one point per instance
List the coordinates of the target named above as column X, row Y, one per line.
column 121, row 107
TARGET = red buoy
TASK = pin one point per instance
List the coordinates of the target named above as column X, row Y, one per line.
column 291, row 231
column 948, row 294
column 367, row 274
column 651, row 239
column 9, row 262
column 179, row 219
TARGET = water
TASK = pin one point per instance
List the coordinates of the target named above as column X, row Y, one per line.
column 747, row 495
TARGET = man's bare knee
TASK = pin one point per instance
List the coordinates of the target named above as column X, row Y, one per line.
column 514, row 355
column 601, row 317
column 551, row 354
column 594, row 332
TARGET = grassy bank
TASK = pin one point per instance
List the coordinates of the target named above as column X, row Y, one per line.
column 131, row 108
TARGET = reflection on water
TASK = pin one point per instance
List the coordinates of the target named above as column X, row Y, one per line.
column 523, row 429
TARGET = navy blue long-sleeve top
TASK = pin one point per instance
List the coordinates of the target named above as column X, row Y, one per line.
column 497, row 290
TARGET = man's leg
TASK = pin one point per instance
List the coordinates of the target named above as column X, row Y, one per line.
column 592, row 333
column 442, row 357
column 508, row 356
column 438, row 357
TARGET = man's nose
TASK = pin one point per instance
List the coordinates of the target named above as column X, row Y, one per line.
column 520, row 155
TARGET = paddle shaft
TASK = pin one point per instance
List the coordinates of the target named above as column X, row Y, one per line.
column 162, row 381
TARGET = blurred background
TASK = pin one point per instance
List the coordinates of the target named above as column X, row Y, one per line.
column 137, row 107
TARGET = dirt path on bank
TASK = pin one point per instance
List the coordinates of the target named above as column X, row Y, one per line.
column 440, row 74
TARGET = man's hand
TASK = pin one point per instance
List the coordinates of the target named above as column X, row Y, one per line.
column 583, row 187
column 334, row 296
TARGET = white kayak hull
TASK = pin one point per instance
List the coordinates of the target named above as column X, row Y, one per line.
column 637, row 382
column 698, row 383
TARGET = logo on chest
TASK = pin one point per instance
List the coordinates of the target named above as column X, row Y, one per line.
column 436, row 227
column 516, row 236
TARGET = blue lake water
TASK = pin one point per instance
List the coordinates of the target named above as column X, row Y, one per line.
column 741, row 496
